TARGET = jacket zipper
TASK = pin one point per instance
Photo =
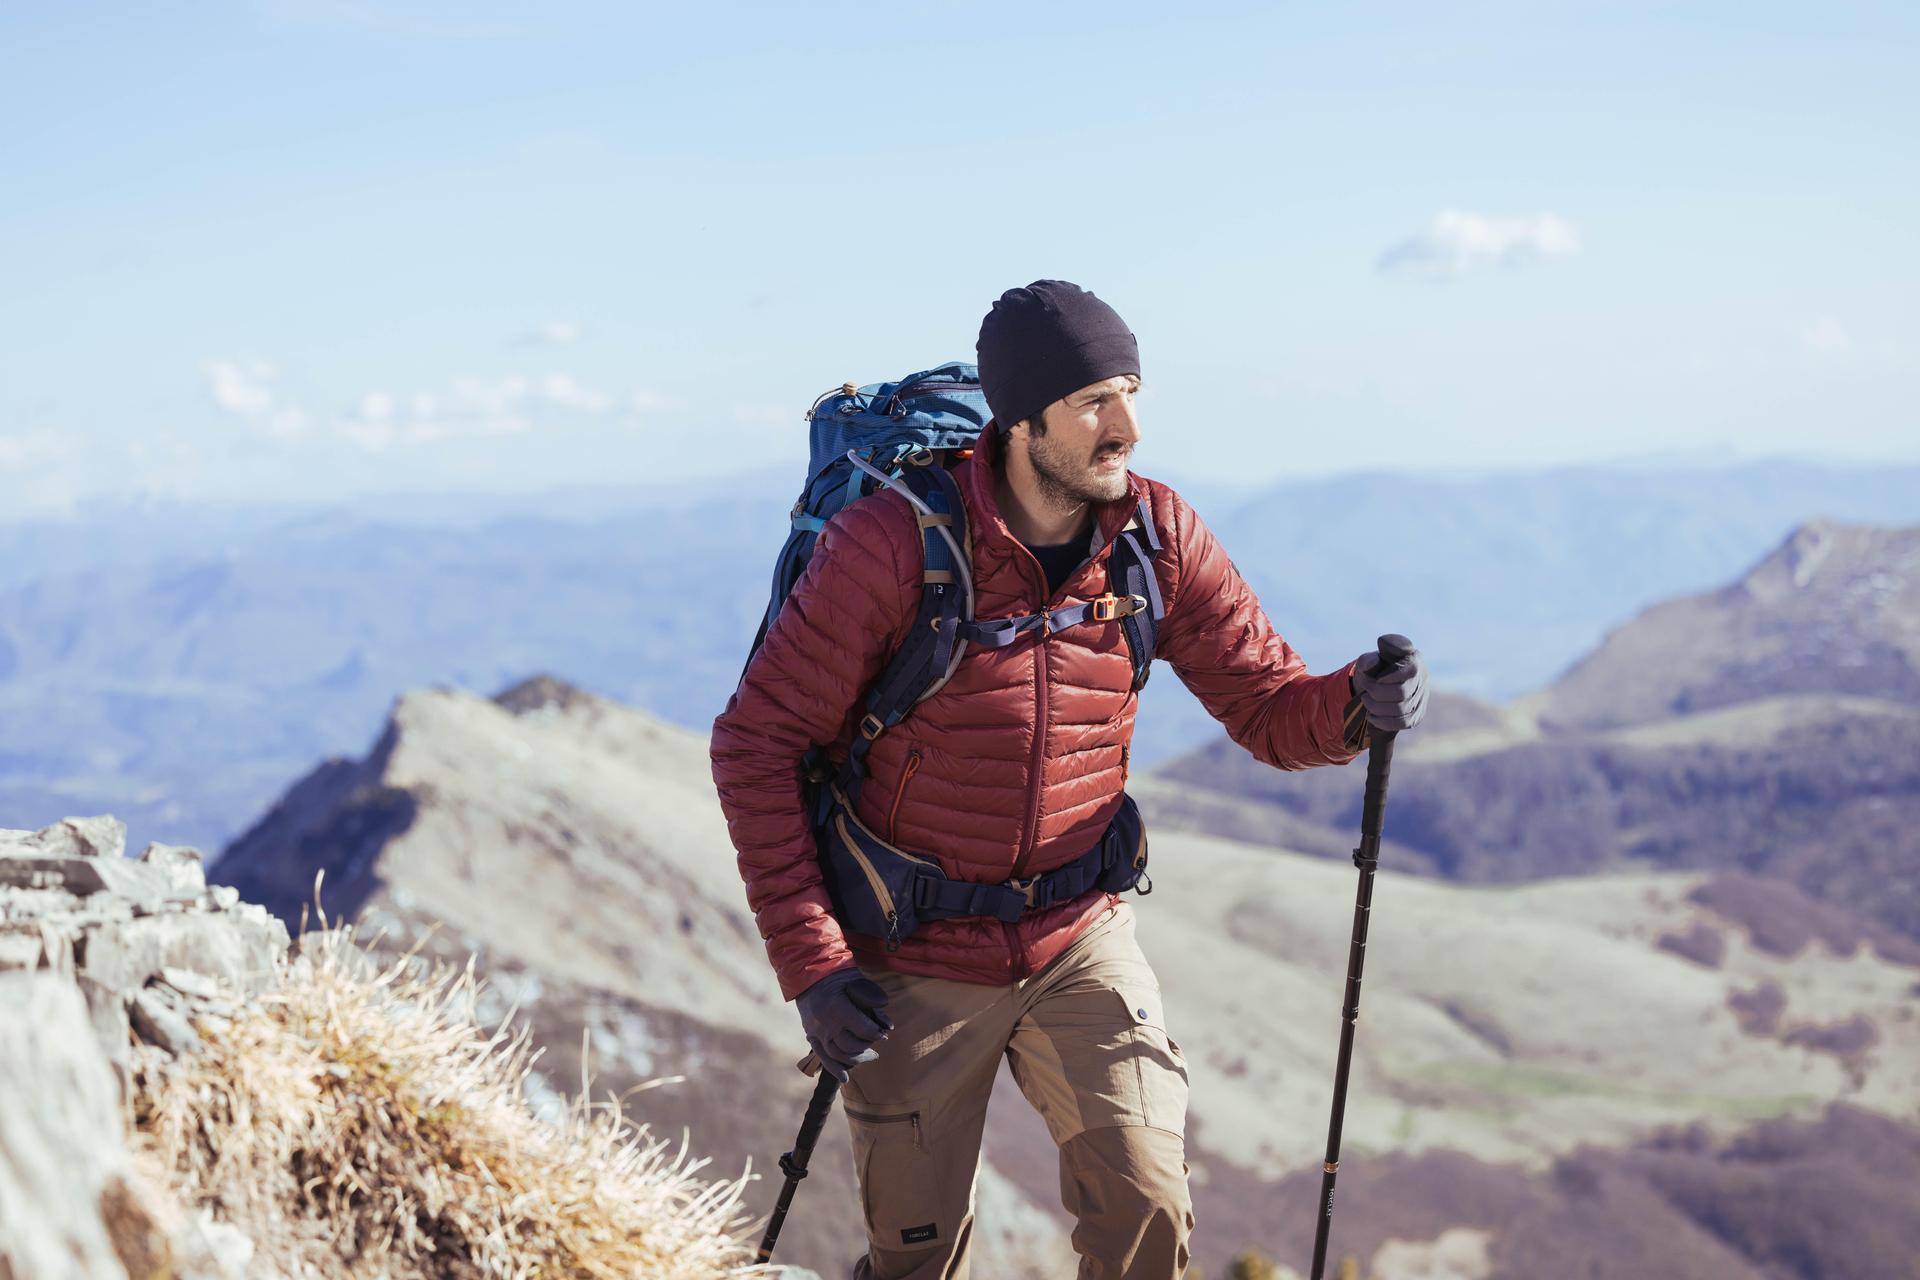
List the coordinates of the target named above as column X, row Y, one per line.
column 899, row 794
column 912, row 1118
column 1017, row 959
column 1039, row 728
column 1018, row 956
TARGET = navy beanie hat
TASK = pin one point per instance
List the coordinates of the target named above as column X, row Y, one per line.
column 1046, row 341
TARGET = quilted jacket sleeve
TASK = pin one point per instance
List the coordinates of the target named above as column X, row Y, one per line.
column 1220, row 642
column 849, row 611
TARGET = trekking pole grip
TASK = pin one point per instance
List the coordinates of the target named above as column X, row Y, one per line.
column 1395, row 651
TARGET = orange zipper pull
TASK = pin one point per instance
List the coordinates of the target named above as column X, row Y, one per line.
column 899, row 793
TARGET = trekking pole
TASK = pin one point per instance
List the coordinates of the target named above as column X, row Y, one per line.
column 1394, row 652
column 794, row 1162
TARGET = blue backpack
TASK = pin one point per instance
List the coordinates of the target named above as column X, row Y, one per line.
column 904, row 436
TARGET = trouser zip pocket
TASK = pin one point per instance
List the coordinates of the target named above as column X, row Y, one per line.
column 901, row 1187
column 911, row 1119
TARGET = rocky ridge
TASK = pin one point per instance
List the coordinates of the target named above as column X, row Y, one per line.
column 185, row 1095
column 112, row 965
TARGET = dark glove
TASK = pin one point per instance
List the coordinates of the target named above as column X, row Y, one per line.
column 1396, row 700
column 844, row 1016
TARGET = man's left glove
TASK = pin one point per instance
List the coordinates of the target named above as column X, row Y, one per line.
column 1396, row 700
column 844, row 1015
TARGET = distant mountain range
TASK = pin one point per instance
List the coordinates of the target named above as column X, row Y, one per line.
column 1569, row 1070
column 1769, row 727
column 1833, row 612
column 267, row 639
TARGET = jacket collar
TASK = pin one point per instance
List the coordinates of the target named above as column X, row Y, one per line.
column 977, row 477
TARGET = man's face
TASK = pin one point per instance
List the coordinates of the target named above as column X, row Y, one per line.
column 1079, row 444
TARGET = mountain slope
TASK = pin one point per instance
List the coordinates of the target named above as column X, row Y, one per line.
column 1700, row 736
column 575, row 847
column 1833, row 611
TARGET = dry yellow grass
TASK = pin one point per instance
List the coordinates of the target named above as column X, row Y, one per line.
column 359, row 1123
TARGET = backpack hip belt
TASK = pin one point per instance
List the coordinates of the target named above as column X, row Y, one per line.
column 887, row 892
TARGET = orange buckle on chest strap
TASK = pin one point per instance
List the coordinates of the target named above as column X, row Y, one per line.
column 1107, row 607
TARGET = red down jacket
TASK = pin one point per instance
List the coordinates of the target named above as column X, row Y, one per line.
column 1016, row 766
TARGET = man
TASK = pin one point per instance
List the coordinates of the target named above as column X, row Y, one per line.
column 1012, row 768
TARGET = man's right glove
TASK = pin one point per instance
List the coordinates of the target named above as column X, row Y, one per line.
column 1395, row 701
column 844, row 1015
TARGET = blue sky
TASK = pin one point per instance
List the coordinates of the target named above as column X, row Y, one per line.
column 314, row 248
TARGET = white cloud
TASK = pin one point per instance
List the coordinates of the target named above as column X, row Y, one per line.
column 1826, row 336
column 652, row 402
column 163, row 447
column 554, row 333
column 561, row 390
column 242, row 387
column 382, row 419
column 1460, row 243
column 470, row 408
column 30, row 449
column 760, row 415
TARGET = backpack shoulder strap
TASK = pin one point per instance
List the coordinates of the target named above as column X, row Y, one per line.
column 934, row 644
column 1130, row 573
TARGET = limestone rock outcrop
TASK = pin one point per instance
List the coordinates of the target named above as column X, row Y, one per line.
column 107, row 962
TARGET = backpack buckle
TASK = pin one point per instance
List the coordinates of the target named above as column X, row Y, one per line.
column 872, row 727
column 1107, row 607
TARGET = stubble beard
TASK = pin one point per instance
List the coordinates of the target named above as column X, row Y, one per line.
column 1066, row 482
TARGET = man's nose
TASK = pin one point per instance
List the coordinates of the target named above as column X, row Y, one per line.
column 1120, row 421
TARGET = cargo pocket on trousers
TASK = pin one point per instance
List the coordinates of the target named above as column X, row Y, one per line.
column 1159, row 1069
column 899, row 1179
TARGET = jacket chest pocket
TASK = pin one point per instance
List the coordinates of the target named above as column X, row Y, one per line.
column 899, row 1177
column 907, row 770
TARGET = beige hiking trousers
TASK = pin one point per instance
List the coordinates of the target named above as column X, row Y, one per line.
column 1088, row 1047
